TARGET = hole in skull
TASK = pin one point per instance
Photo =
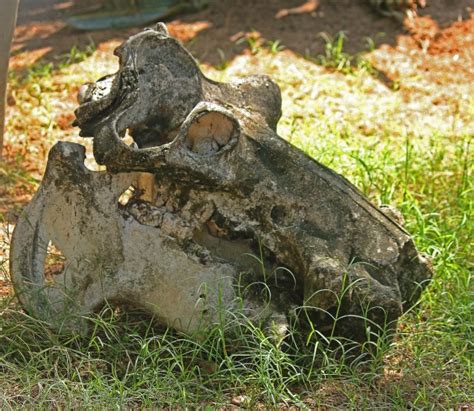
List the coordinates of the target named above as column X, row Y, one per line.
column 128, row 139
column 128, row 195
column 90, row 161
column 209, row 133
column 54, row 263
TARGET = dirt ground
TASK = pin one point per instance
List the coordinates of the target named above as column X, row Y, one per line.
column 212, row 34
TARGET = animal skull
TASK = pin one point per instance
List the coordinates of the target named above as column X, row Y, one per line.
column 214, row 184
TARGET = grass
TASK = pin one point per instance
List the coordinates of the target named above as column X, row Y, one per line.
column 348, row 120
column 337, row 59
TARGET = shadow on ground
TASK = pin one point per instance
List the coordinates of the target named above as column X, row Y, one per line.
column 212, row 33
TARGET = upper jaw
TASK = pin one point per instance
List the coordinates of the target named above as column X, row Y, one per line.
column 100, row 100
column 95, row 100
column 94, row 92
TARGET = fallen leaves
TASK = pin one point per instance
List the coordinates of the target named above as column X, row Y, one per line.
column 308, row 7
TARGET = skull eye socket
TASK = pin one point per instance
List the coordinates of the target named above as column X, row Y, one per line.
column 210, row 133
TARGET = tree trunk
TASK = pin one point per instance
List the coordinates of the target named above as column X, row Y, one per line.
column 8, row 12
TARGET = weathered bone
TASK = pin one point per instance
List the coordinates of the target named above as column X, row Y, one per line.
column 214, row 183
column 108, row 256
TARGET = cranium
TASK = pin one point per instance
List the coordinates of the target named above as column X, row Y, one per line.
column 214, row 183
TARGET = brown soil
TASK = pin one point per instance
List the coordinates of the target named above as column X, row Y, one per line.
column 213, row 32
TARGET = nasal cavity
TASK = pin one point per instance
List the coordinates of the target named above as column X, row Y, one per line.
column 54, row 263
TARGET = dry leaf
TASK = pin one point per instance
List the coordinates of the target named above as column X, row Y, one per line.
column 308, row 7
